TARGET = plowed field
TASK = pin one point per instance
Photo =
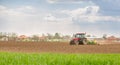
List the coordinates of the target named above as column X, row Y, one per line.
column 57, row 47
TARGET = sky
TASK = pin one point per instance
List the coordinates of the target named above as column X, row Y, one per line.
column 95, row 17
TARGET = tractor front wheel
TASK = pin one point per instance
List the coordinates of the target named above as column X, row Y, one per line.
column 84, row 42
column 76, row 42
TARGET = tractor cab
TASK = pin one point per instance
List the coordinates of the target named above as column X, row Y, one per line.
column 80, row 35
column 79, row 38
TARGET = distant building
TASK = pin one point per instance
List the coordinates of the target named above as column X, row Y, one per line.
column 22, row 38
column 113, row 38
column 4, row 39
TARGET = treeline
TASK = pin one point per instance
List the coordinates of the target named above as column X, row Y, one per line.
column 34, row 38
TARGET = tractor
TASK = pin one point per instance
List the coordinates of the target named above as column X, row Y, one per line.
column 79, row 39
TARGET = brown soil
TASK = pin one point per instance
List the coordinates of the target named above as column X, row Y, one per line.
column 57, row 47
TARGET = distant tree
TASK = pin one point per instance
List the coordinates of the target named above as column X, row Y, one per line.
column 12, row 36
column 66, row 37
column 88, row 35
column 3, row 34
column 57, row 36
column 104, row 36
column 35, row 38
column 93, row 36
column 43, row 35
column 49, row 36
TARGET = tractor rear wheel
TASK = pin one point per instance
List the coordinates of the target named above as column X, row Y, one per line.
column 76, row 42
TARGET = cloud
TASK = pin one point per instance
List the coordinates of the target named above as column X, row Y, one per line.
column 54, row 19
column 89, row 14
column 20, row 11
column 88, row 10
column 22, row 20
column 107, row 2
column 28, row 19
column 18, row 19
column 52, row 1
column 85, row 14
column 51, row 18
column 66, row 1
column 108, row 7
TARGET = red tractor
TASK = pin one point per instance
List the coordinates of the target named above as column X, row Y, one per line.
column 78, row 39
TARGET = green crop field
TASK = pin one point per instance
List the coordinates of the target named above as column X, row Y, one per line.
column 9, row 58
